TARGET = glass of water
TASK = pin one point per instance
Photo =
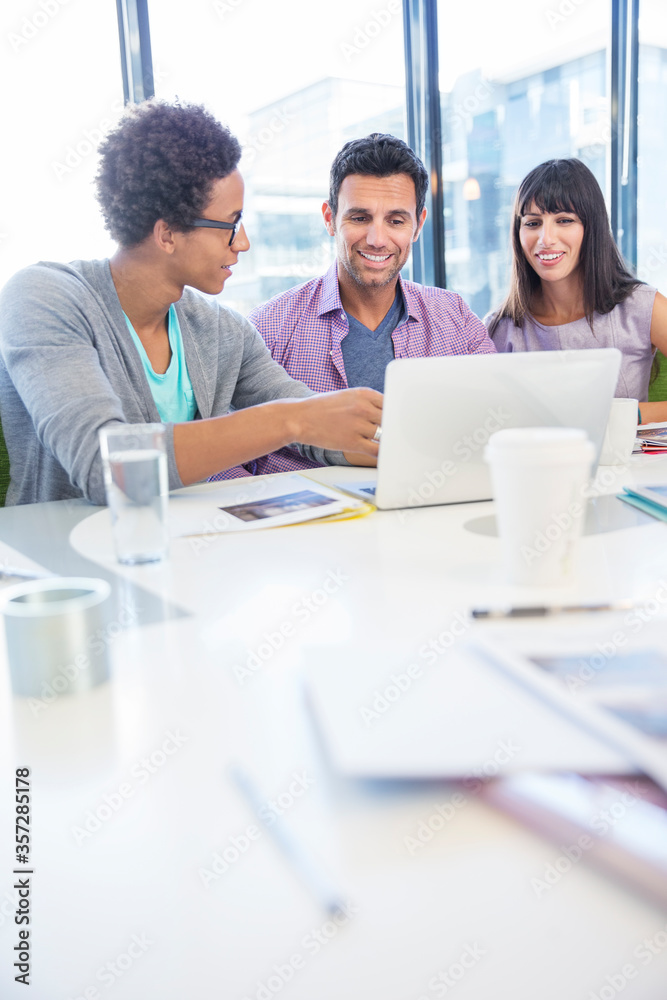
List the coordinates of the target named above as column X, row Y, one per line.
column 135, row 475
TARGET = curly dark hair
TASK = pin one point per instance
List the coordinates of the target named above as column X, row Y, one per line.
column 161, row 162
column 377, row 155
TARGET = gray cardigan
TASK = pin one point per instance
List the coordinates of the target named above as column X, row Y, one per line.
column 68, row 366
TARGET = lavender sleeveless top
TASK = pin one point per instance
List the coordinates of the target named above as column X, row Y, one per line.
column 627, row 327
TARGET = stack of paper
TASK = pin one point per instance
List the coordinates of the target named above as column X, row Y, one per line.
column 653, row 438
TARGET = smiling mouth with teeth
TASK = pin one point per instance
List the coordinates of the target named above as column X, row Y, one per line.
column 550, row 256
column 375, row 257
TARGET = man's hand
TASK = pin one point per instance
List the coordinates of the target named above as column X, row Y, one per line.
column 340, row 421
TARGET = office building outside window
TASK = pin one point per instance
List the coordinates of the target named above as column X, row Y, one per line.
column 294, row 82
column 526, row 82
column 529, row 87
column 652, row 145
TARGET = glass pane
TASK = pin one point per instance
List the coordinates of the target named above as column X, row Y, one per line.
column 652, row 145
column 529, row 87
column 294, row 92
column 62, row 90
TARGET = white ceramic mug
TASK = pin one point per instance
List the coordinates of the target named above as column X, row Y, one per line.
column 621, row 432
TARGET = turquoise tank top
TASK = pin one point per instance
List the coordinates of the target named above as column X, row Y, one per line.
column 172, row 391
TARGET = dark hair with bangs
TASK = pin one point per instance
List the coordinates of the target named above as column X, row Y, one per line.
column 377, row 155
column 567, row 186
column 160, row 162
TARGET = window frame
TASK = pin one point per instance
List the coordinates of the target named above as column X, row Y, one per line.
column 424, row 129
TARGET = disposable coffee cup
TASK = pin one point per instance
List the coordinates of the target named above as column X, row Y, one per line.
column 539, row 476
column 136, row 480
column 54, row 630
column 621, row 432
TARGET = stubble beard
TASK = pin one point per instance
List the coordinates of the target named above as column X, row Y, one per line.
column 367, row 280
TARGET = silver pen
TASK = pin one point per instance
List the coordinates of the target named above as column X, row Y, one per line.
column 310, row 873
column 543, row 611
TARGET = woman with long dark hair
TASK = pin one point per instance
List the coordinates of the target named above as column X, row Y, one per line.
column 570, row 287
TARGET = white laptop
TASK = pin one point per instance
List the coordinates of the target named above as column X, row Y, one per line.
column 439, row 414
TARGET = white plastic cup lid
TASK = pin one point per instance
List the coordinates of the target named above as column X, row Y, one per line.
column 540, row 445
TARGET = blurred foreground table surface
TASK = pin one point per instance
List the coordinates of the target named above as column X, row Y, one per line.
column 153, row 877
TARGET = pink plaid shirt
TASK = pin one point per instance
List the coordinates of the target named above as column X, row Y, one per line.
column 304, row 327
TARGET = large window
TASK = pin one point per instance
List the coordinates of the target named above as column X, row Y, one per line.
column 523, row 85
column 61, row 91
column 294, row 81
column 652, row 145
column 520, row 82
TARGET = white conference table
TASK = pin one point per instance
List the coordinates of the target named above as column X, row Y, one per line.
column 120, row 907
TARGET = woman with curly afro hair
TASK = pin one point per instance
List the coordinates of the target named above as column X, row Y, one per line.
column 130, row 339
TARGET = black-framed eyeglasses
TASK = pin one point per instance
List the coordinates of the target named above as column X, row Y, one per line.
column 212, row 224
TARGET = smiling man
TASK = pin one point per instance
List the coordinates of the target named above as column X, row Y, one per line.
column 343, row 328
